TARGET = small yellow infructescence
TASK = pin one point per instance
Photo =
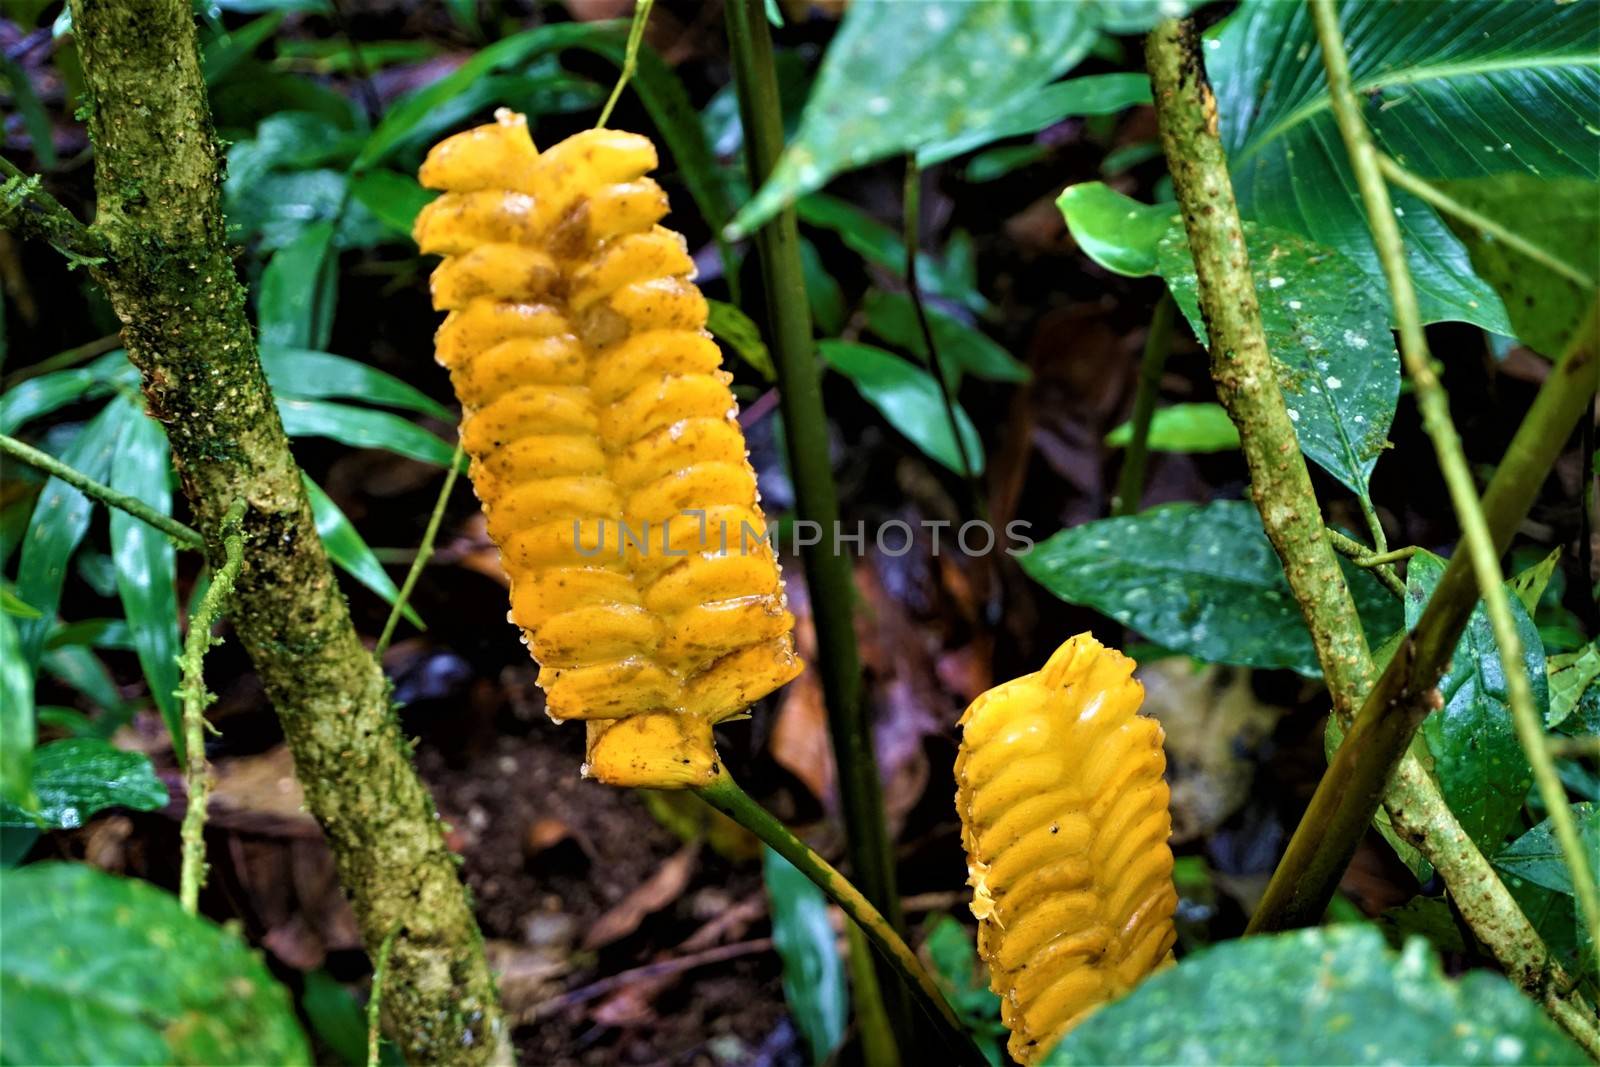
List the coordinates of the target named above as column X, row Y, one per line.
column 605, row 445
column 1064, row 818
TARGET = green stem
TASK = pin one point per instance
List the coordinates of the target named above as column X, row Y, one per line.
column 1362, row 556
column 725, row 795
column 630, row 59
column 197, row 775
column 1438, row 198
column 830, row 577
column 1435, row 408
column 1157, row 343
column 27, row 209
column 1379, row 540
column 1241, row 366
column 935, row 366
column 174, row 529
column 375, row 1000
column 424, row 553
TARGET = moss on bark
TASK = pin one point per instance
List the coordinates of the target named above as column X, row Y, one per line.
column 172, row 282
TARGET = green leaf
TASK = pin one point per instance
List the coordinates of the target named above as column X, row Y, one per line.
column 221, row 54
column 822, row 290
column 1492, row 88
column 1115, row 231
column 1096, row 94
column 16, row 716
column 79, row 668
column 407, row 117
column 12, row 604
column 909, row 398
column 1331, row 995
column 1571, row 675
column 1328, row 332
column 1184, row 428
column 296, row 304
column 363, row 428
column 147, row 564
column 899, row 77
column 60, row 519
column 299, row 374
column 962, row 348
column 34, row 117
column 1530, row 584
column 1477, row 758
column 1197, row 579
column 878, row 244
column 76, row 778
column 964, row 982
column 736, row 330
column 1559, row 215
column 814, row 983
column 114, row 971
column 349, row 552
column 1537, row 855
column 995, row 163
column 29, row 400
column 394, row 199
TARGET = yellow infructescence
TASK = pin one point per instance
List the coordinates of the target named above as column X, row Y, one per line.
column 1064, row 818
column 604, row 445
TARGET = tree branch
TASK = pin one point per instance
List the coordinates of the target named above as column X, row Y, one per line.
column 27, row 209
column 172, row 283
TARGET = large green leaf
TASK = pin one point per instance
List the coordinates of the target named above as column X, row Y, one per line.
column 147, row 564
column 16, row 716
column 1537, row 855
column 295, row 306
column 1463, row 90
column 75, row 778
column 1561, row 216
column 349, row 551
column 1116, row 231
column 113, row 971
column 814, row 982
column 1328, row 332
column 1482, row 770
column 908, row 398
column 60, row 519
column 1184, row 428
column 1331, row 995
column 29, row 400
column 962, row 348
column 901, row 76
column 299, row 374
column 362, row 428
column 1096, row 94
column 1199, row 579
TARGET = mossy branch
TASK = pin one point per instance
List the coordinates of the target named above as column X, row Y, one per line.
column 197, row 775
column 26, row 209
column 171, row 280
column 1349, row 793
column 1434, row 405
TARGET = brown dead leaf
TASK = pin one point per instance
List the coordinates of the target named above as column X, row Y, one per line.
column 260, row 794
column 660, row 889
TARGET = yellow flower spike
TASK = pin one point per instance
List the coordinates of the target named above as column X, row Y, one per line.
column 1065, row 822
column 604, row 445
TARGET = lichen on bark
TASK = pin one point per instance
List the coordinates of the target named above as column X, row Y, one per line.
column 171, row 280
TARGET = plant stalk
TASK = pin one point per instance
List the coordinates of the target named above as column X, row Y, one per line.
column 108, row 496
column 829, row 574
column 197, row 774
column 171, row 280
column 725, row 795
column 424, row 553
column 1435, row 408
column 1135, row 459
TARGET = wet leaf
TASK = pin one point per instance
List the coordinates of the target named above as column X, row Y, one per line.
column 1095, row 94
column 1537, row 855
column 1328, row 332
column 1477, row 758
column 1198, row 579
column 77, row 778
column 1115, row 231
column 160, row 986
column 16, row 717
column 1332, row 995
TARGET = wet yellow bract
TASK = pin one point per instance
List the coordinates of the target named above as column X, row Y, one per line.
column 1065, row 822
column 594, row 399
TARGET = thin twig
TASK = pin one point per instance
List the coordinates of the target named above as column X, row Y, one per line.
column 1362, row 556
column 174, row 529
column 1443, row 201
column 197, row 775
column 26, row 208
column 375, row 999
column 1435, row 408
column 1157, row 343
column 424, row 553
column 630, row 59
column 725, row 795
column 935, row 366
